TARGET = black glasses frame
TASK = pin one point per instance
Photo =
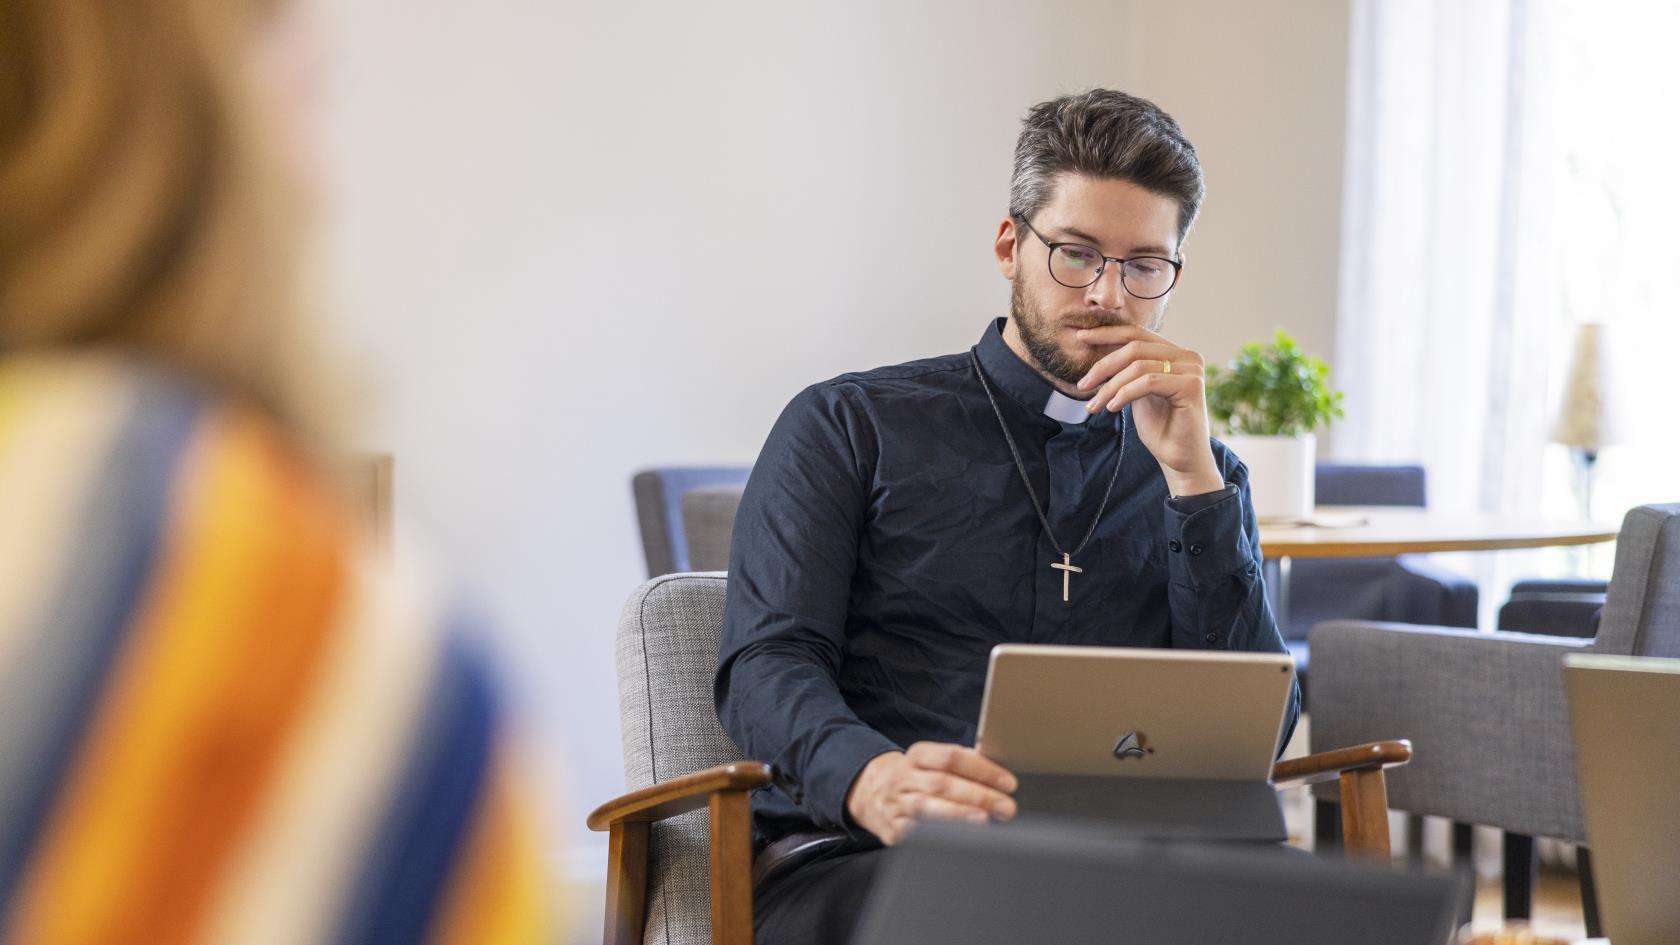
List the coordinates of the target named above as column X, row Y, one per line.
column 1177, row 267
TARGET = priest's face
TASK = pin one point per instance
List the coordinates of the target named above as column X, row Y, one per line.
column 1118, row 219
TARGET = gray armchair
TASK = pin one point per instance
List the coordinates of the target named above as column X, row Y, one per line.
column 1486, row 711
column 667, row 653
column 680, row 859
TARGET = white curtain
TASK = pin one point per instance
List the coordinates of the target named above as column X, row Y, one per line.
column 1510, row 173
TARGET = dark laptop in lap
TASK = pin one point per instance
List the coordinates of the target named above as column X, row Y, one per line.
column 1045, row 882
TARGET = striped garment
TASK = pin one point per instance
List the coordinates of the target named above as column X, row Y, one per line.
column 221, row 721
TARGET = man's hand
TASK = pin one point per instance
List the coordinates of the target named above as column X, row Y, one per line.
column 931, row 781
column 1169, row 406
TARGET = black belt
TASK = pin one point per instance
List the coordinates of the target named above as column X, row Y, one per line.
column 783, row 856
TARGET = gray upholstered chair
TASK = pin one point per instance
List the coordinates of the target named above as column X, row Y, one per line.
column 662, row 867
column 659, row 495
column 680, row 858
column 1486, row 711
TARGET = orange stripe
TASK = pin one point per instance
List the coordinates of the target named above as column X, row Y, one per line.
column 496, row 895
column 284, row 634
column 220, row 659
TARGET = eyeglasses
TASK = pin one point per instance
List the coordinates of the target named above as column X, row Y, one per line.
column 1077, row 265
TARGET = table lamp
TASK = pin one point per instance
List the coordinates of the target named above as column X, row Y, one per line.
column 1586, row 421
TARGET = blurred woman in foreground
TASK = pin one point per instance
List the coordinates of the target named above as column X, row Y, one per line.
column 220, row 719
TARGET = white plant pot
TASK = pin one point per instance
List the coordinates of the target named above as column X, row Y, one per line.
column 1280, row 473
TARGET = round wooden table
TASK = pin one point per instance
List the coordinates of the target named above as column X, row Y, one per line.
column 1379, row 532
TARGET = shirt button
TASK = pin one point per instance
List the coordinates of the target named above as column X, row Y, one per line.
column 1196, row 549
column 1212, row 638
column 1175, row 546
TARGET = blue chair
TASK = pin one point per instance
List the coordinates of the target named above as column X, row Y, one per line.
column 659, row 509
column 1568, row 607
column 1405, row 589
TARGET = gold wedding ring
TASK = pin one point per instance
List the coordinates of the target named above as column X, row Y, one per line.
column 1166, row 367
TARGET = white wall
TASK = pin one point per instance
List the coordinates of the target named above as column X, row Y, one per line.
column 1261, row 90
column 575, row 239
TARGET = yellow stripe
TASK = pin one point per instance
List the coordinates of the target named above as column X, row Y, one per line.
column 288, row 884
column 58, row 419
column 103, row 841
column 285, row 627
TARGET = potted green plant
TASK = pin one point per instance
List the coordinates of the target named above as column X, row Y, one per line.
column 1272, row 399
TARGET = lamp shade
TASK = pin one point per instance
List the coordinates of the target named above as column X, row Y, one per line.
column 1586, row 417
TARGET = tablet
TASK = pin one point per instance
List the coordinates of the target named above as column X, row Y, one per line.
column 1130, row 712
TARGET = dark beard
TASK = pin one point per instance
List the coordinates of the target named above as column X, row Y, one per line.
column 1038, row 334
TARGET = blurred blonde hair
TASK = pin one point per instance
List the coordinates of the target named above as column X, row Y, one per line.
column 141, row 207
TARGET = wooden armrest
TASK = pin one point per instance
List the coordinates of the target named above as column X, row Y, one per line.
column 679, row 795
column 1327, row 765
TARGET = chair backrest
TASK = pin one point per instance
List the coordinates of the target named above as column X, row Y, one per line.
column 1642, row 606
column 1570, row 607
column 659, row 494
column 709, row 522
column 1357, row 484
column 668, row 639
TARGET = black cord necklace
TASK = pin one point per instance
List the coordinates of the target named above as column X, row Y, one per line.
column 1066, row 565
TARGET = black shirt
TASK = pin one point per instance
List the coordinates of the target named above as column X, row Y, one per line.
column 885, row 543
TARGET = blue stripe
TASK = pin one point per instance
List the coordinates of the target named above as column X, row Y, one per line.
column 66, row 664
column 415, row 851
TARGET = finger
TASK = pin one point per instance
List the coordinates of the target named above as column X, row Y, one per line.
column 1180, row 389
column 928, row 807
column 955, row 787
column 1130, row 353
column 958, row 759
column 1138, row 358
column 1137, row 369
column 1118, row 335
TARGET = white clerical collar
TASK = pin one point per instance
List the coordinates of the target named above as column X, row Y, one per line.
column 1064, row 409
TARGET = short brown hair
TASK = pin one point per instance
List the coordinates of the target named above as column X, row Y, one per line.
column 1107, row 134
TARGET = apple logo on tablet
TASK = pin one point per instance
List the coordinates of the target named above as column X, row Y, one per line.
column 1132, row 745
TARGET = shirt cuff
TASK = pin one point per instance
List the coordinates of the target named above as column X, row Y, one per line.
column 1195, row 503
column 1206, row 541
column 828, row 779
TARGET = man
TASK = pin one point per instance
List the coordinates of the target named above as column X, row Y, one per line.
column 1056, row 484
